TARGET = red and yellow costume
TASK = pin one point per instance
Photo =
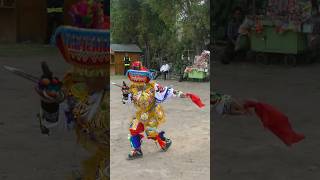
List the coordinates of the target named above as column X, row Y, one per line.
column 147, row 96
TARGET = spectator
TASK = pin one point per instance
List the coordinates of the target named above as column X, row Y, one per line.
column 127, row 63
column 232, row 34
column 165, row 68
column 54, row 16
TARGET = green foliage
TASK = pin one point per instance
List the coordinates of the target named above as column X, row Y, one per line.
column 124, row 18
column 161, row 28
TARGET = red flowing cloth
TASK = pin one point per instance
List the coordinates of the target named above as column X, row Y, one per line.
column 275, row 121
column 195, row 99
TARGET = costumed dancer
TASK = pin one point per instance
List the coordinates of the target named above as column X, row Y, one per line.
column 271, row 118
column 81, row 102
column 147, row 95
column 83, row 98
column 87, row 112
column 83, row 95
column 85, row 86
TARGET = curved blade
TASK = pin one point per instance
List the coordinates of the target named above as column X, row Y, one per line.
column 22, row 74
column 113, row 83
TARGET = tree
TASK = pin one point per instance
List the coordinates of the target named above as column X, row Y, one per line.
column 124, row 19
column 162, row 28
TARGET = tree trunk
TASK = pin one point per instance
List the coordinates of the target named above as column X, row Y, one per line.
column 147, row 58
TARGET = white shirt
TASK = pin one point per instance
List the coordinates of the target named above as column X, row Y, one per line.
column 164, row 68
column 164, row 94
column 161, row 96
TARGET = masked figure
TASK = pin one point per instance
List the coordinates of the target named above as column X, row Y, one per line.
column 85, row 92
column 146, row 96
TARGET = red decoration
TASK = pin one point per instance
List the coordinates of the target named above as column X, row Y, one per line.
column 161, row 142
column 138, row 79
column 276, row 122
column 138, row 130
column 195, row 99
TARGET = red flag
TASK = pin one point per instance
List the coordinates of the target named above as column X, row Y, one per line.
column 276, row 122
column 195, row 99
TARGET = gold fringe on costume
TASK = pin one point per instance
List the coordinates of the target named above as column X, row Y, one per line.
column 147, row 111
column 92, row 134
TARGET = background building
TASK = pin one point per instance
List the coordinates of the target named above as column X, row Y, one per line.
column 24, row 21
column 118, row 51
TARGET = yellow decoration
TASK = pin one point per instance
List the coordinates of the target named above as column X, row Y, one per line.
column 148, row 112
column 80, row 91
column 98, row 127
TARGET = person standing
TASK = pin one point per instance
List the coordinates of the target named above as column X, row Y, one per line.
column 165, row 70
column 127, row 62
column 232, row 35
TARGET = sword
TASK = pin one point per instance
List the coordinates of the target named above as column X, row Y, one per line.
column 21, row 73
column 113, row 83
column 123, row 87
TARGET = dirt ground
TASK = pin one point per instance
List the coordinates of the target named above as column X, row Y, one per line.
column 243, row 149
column 26, row 154
column 188, row 127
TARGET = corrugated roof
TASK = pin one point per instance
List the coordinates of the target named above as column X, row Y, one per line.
column 126, row 48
